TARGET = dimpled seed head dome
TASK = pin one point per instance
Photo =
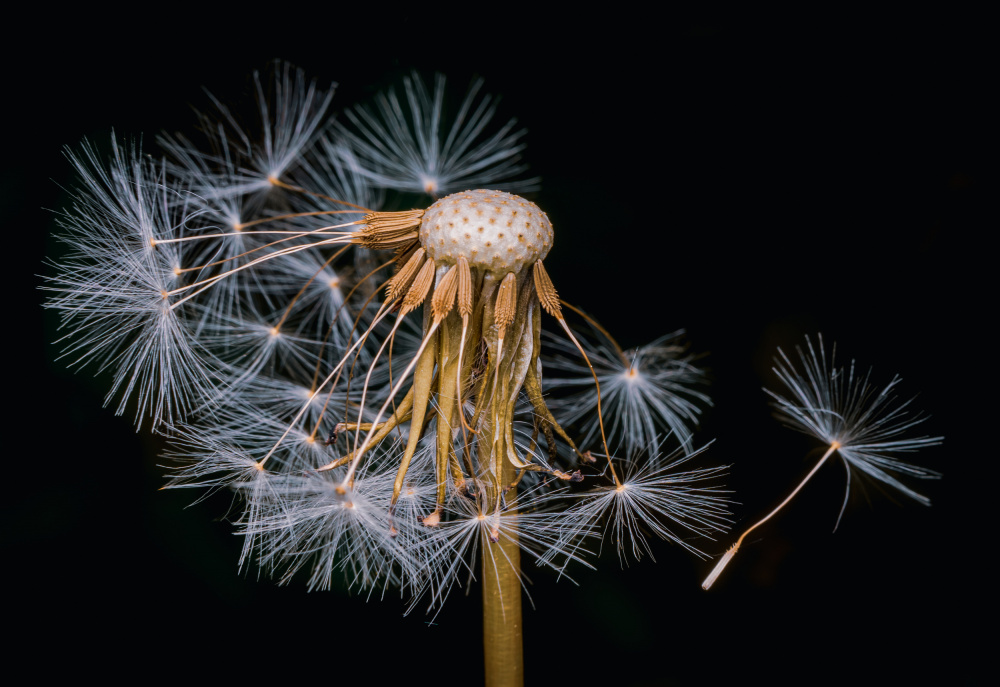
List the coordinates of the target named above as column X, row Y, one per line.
column 495, row 231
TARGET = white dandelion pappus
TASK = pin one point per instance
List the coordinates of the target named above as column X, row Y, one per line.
column 111, row 288
column 255, row 427
column 328, row 527
column 841, row 406
column 231, row 184
column 653, row 495
column 283, row 398
column 329, row 170
column 401, row 147
column 316, row 291
column 207, row 188
column 861, row 423
column 205, row 458
column 653, row 391
column 527, row 524
column 253, row 343
column 291, row 111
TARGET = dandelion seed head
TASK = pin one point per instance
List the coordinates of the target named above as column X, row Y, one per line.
column 215, row 288
column 493, row 230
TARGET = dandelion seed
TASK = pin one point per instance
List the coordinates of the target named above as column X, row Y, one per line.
column 291, row 111
column 841, row 406
column 333, row 529
column 862, row 424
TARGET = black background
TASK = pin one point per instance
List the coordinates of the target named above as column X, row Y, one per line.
column 749, row 183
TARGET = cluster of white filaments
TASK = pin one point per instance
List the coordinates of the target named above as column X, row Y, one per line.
column 370, row 382
column 862, row 424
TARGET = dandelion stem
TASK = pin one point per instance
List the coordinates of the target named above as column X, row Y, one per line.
column 502, row 642
column 728, row 556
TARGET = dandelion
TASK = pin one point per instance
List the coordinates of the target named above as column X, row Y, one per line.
column 863, row 424
column 380, row 417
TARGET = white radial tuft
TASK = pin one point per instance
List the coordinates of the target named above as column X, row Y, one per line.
column 495, row 231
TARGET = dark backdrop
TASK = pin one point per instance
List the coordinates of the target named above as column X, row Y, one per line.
column 751, row 184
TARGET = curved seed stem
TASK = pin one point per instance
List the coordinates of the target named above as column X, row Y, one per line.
column 728, row 556
column 395, row 389
column 298, row 189
column 594, row 323
column 383, row 311
column 600, row 416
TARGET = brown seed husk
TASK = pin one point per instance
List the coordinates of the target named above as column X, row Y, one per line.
column 506, row 299
column 389, row 229
column 444, row 294
column 546, row 291
column 388, row 242
column 403, row 255
column 421, row 286
column 464, row 287
column 398, row 284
